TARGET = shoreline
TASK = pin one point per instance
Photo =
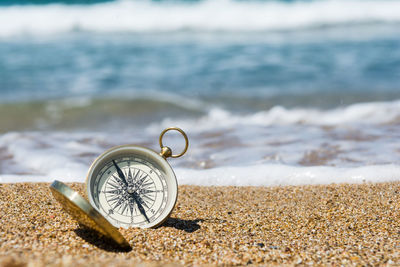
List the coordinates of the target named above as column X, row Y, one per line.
column 289, row 225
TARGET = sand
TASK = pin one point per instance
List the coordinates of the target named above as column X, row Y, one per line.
column 333, row 224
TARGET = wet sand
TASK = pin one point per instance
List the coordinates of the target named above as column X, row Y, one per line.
column 330, row 224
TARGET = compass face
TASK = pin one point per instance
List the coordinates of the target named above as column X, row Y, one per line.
column 132, row 187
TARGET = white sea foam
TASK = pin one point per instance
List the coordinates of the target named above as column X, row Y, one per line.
column 209, row 15
column 360, row 113
column 354, row 144
column 274, row 175
column 254, row 175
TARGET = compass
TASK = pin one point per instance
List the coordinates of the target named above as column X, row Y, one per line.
column 133, row 186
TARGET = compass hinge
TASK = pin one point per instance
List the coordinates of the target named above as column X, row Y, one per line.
column 166, row 152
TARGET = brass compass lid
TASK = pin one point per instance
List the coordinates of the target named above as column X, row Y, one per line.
column 84, row 213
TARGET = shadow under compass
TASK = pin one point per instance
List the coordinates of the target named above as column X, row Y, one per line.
column 188, row 226
column 95, row 238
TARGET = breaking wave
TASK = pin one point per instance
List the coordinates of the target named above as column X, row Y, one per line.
column 208, row 15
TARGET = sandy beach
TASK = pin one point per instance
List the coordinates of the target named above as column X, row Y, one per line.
column 327, row 224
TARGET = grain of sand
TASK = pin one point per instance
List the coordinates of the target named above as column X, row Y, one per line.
column 328, row 225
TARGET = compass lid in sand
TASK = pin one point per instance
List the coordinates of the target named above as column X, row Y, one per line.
column 84, row 213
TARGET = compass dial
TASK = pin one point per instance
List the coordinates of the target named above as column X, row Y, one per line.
column 135, row 189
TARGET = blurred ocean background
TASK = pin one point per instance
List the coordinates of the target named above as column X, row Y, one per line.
column 269, row 92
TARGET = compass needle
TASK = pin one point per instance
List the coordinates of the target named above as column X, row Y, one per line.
column 141, row 209
column 120, row 173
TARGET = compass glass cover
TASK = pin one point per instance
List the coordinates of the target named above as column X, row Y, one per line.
column 132, row 187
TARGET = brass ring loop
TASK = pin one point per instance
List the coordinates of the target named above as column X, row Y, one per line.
column 184, row 135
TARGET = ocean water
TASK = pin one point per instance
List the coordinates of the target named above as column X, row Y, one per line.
column 269, row 92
